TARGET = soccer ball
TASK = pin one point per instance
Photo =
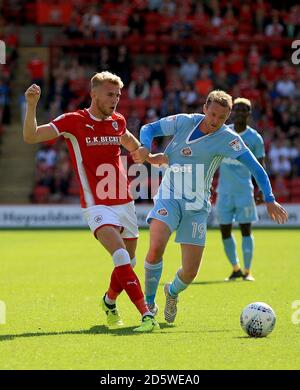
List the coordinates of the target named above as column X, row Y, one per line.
column 258, row 319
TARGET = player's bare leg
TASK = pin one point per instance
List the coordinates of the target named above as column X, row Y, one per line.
column 123, row 276
column 191, row 260
column 159, row 237
column 110, row 238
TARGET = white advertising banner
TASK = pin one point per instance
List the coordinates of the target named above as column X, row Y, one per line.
column 264, row 219
column 70, row 216
column 54, row 216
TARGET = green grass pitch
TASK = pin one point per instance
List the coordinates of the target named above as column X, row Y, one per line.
column 52, row 282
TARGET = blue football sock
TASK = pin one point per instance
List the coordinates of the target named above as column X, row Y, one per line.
column 230, row 250
column 177, row 286
column 152, row 278
column 248, row 246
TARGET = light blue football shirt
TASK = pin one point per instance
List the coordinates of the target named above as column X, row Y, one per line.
column 235, row 178
column 193, row 159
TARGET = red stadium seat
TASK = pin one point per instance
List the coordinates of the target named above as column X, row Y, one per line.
column 108, row 7
column 295, row 199
column 125, row 111
column 150, row 44
column 134, row 43
column 295, row 182
column 41, row 194
column 30, row 12
column 152, row 24
column 163, row 48
column 152, row 18
column 166, row 23
column 124, row 106
column 155, row 103
column 295, row 191
column 282, row 199
column 294, row 187
column 140, row 106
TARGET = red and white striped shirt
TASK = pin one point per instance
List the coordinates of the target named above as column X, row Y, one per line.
column 94, row 147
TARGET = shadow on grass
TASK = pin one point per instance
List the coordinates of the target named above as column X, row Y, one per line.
column 98, row 329
column 229, row 283
column 208, row 282
column 101, row 329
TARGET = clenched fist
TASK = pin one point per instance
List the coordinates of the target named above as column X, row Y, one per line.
column 33, row 94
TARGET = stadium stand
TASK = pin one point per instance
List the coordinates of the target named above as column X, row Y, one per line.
column 170, row 54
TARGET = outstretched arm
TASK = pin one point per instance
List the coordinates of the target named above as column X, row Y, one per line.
column 129, row 141
column 275, row 210
column 32, row 133
column 148, row 132
column 133, row 145
column 163, row 127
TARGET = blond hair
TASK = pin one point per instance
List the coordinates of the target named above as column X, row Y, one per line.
column 101, row 77
column 244, row 101
column 219, row 97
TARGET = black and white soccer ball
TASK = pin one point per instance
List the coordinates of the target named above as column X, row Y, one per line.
column 258, row 319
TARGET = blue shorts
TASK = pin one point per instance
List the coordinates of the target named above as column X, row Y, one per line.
column 190, row 225
column 238, row 207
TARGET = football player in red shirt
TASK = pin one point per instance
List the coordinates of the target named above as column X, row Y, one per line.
column 94, row 137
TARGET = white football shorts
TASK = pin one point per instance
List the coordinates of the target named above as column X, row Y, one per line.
column 123, row 215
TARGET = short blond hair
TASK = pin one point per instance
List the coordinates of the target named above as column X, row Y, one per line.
column 219, row 97
column 101, row 77
column 244, row 101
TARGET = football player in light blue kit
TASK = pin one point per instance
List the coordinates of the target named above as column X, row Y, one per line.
column 199, row 144
column 235, row 200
